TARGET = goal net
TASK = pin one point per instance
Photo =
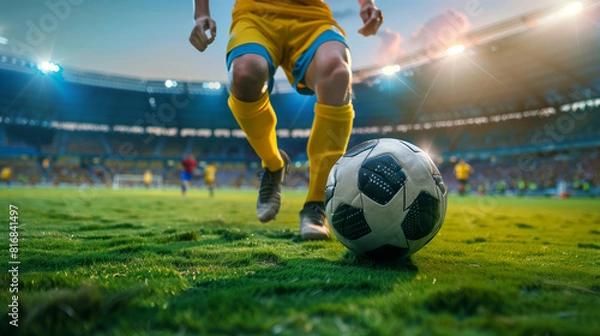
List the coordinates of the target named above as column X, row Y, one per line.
column 135, row 181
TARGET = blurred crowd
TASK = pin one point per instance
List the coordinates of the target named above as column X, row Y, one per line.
column 521, row 156
column 532, row 174
column 573, row 172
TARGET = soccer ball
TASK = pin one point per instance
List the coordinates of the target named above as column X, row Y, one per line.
column 385, row 199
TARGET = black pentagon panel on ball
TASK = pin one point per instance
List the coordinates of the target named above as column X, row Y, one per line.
column 361, row 147
column 350, row 222
column 380, row 178
column 422, row 215
column 387, row 252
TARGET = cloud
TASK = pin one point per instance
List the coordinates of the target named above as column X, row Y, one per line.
column 442, row 31
column 390, row 47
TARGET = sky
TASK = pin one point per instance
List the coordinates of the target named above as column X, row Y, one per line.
column 148, row 39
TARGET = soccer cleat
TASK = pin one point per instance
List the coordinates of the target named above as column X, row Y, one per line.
column 269, row 191
column 313, row 223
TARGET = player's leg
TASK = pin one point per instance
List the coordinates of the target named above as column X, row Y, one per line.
column 253, row 55
column 329, row 76
column 249, row 102
column 185, row 182
column 251, row 107
column 210, row 186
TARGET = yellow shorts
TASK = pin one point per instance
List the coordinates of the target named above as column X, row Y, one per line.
column 283, row 40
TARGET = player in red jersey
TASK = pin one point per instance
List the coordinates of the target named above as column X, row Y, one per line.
column 189, row 164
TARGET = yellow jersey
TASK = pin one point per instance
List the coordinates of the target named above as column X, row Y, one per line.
column 147, row 177
column 462, row 171
column 316, row 9
column 6, row 173
column 209, row 172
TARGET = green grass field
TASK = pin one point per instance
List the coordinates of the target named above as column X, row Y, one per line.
column 137, row 262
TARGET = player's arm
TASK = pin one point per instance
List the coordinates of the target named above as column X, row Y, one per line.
column 204, row 22
column 372, row 17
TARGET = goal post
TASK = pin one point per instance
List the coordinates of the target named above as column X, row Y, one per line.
column 133, row 181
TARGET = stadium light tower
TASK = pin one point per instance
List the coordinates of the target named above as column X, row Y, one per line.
column 390, row 69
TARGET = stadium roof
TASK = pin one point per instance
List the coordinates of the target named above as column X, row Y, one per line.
column 526, row 63
column 538, row 64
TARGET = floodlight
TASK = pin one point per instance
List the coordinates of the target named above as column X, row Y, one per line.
column 573, row 8
column 455, row 49
column 390, row 69
column 47, row 67
column 211, row 85
column 3, row 40
column 169, row 83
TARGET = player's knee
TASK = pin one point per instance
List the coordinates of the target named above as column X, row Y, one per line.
column 334, row 84
column 334, row 74
column 340, row 76
column 247, row 77
column 335, row 70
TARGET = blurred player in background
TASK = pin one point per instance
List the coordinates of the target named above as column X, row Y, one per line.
column 188, row 164
column 147, row 178
column 6, row 174
column 302, row 37
column 522, row 186
column 46, row 169
column 462, row 171
column 209, row 178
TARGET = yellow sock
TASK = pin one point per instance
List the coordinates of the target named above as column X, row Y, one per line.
column 328, row 140
column 257, row 119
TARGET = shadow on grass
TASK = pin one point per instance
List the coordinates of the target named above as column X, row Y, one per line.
column 79, row 311
column 314, row 287
column 243, row 301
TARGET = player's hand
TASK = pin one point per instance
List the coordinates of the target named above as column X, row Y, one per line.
column 372, row 18
column 198, row 37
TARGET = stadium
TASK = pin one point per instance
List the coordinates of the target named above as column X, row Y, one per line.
column 102, row 252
